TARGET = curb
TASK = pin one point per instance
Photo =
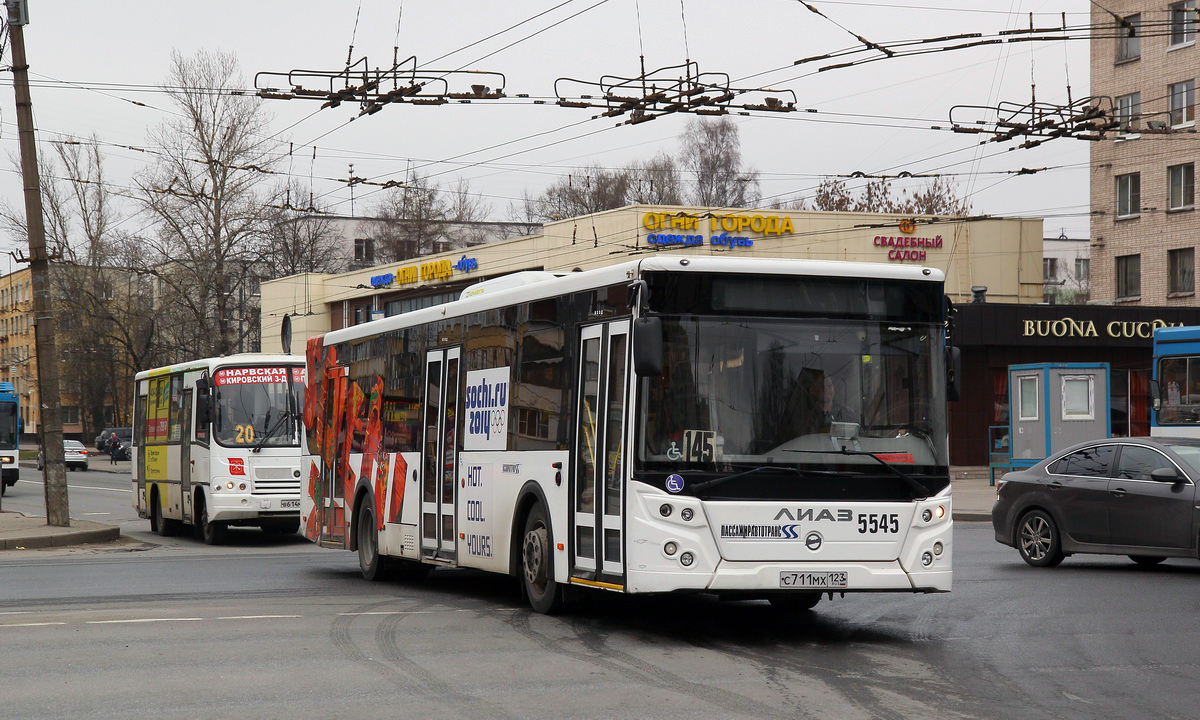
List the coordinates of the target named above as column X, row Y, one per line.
column 971, row 516
column 70, row 537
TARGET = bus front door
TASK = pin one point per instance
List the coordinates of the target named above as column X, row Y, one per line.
column 330, row 501
column 596, row 550
column 439, row 454
column 185, row 455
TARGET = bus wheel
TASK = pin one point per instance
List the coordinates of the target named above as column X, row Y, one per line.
column 371, row 565
column 543, row 593
column 795, row 601
column 212, row 533
column 159, row 524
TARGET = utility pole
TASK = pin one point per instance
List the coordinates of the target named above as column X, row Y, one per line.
column 57, row 512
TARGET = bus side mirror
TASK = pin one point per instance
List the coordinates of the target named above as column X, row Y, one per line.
column 1155, row 394
column 953, row 372
column 203, row 403
column 648, row 346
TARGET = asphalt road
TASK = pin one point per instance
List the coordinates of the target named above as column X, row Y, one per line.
column 273, row 627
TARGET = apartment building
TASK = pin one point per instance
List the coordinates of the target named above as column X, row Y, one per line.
column 1144, row 223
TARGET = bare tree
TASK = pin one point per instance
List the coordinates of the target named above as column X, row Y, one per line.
column 936, row 197
column 413, row 217
column 467, row 212
column 711, row 157
column 656, row 181
column 204, row 194
column 586, row 190
column 298, row 243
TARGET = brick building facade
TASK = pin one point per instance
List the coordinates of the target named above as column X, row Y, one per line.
column 1144, row 224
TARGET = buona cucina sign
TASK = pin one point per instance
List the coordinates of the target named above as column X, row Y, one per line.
column 1070, row 327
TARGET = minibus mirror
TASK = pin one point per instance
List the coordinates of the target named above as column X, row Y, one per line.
column 648, row 346
column 1155, row 394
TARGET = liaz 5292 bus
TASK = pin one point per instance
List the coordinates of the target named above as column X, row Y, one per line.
column 1175, row 383
column 753, row 428
column 216, row 443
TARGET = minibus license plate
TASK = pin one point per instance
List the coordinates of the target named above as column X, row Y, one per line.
column 809, row 580
column 289, row 504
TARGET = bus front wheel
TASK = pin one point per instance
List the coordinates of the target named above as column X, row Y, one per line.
column 212, row 533
column 371, row 565
column 544, row 595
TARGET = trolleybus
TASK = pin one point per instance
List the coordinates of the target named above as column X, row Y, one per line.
column 10, row 435
column 216, row 443
column 770, row 429
column 1175, row 382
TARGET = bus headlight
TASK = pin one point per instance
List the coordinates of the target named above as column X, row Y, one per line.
column 926, row 558
column 687, row 559
column 671, row 547
column 686, row 514
column 229, row 484
column 937, row 548
column 939, row 512
column 926, row 515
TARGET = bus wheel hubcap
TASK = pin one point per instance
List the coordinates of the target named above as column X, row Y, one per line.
column 535, row 552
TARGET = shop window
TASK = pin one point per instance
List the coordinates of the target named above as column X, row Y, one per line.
column 1182, row 180
column 1129, row 38
column 1183, row 103
column 1129, row 195
column 1129, row 276
column 1182, row 267
column 1183, row 22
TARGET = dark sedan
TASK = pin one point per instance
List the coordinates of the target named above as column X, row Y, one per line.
column 1118, row 496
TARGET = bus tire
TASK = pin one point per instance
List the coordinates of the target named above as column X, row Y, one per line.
column 212, row 533
column 160, row 524
column 370, row 563
column 537, row 563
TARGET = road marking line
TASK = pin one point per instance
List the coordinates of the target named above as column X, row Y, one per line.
column 400, row 612
column 15, row 612
column 28, row 624
column 255, row 617
column 142, row 620
column 96, row 513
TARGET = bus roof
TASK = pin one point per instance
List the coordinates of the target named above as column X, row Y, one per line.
column 552, row 285
column 1171, row 335
column 224, row 360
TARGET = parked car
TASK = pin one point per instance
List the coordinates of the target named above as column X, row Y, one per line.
column 124, row 434
column 75, row 455
column 1116, row 496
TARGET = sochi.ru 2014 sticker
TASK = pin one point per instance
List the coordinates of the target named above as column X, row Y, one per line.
column 674, row 483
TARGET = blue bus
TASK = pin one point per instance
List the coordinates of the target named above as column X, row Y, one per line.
column 1175, row 384
column 10, row 435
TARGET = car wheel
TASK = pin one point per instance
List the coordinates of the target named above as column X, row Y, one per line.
column 1146, row 560
column 537, row 568
column 1038, row 540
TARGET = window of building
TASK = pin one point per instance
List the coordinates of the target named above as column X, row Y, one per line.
column 1078, row 397
column 1182, row 267
column 1183, row 102
column 1027, row 400
column 1083, row 268
column 1129, row 276
column 1182, row 180
column 1049, row 268
column 364, row 250
column 1129, row 109
column 1183, row 22
column 1129, row 194
column 1129, row 38
column 70, row 414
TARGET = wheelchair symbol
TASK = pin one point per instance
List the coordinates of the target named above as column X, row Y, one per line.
column 674, row 483
column 673, row 453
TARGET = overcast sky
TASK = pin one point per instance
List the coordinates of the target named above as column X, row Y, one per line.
column 91, row 61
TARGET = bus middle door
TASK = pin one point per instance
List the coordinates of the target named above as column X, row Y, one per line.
column 596, row 552
column 439, row 454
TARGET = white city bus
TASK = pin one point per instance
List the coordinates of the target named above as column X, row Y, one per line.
column 771, row 429
column 216, row 443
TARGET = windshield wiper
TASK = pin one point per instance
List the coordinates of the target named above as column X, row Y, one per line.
column 271, row 429
column 700, row 487
column 920, row 490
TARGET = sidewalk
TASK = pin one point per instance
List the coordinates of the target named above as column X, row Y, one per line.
column 973, row 499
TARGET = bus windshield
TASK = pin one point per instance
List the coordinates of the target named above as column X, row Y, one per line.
column 805, row 397
column 253, row 407
column 8, row 426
